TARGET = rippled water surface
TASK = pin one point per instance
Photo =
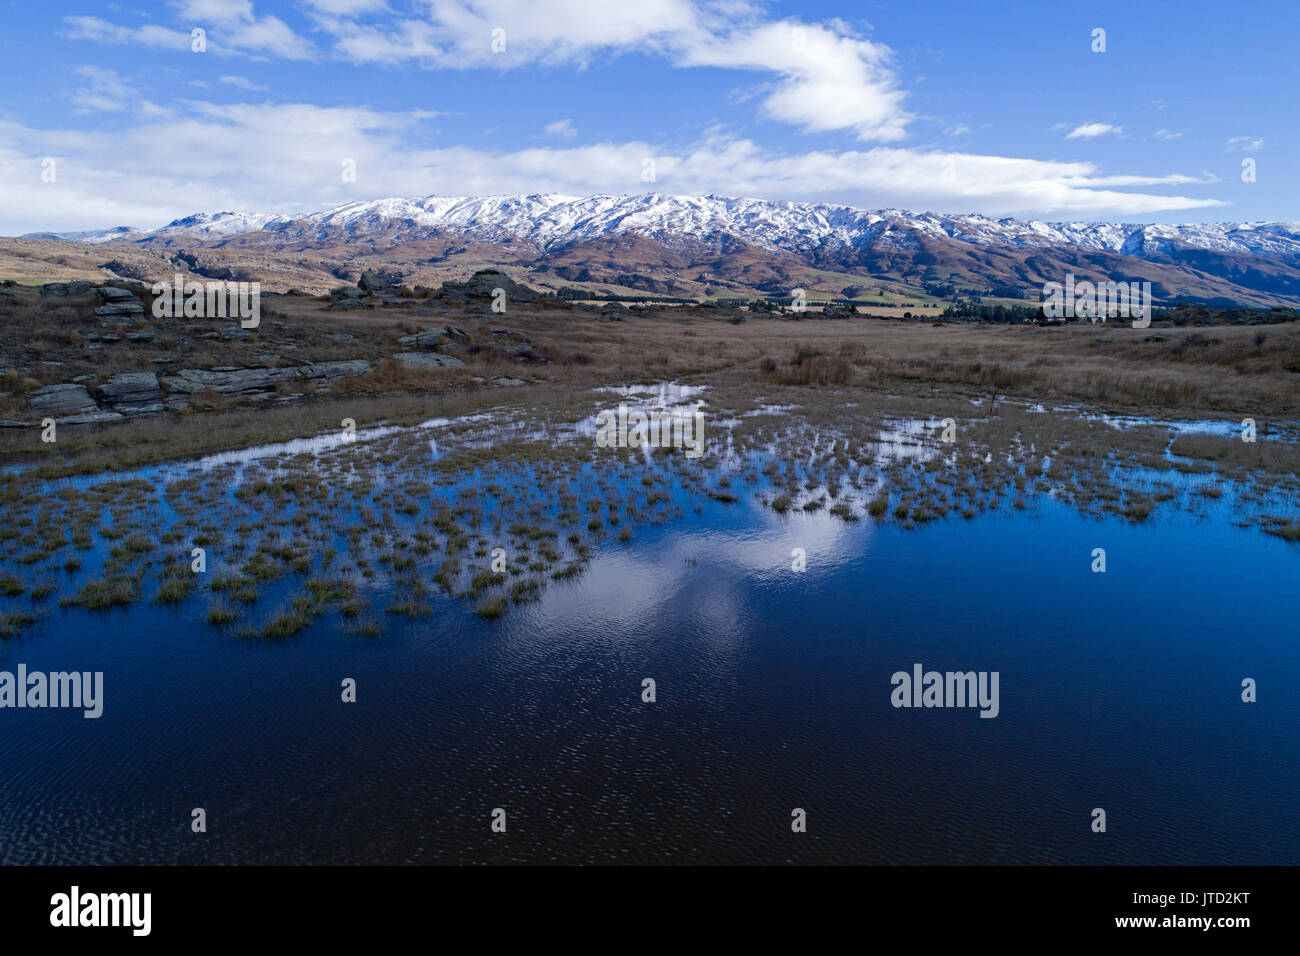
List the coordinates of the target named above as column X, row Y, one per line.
column 1118, row 690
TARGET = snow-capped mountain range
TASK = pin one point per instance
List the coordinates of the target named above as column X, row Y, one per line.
column 551, row 221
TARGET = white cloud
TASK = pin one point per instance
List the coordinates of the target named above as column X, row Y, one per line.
column 562, row 128
column 1092, row 130
column 828, row 81
column 242, row 83
column 231, row 26
column 1166, row 134
column 346, row 8
column 1243, row 144
column 107, row 92
column 959, row 129
column 825, row 77
column 101, row 31
column 286, row 158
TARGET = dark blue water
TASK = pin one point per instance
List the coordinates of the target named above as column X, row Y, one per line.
column 1118, row 690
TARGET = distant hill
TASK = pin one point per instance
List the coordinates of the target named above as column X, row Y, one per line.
column 716, row 246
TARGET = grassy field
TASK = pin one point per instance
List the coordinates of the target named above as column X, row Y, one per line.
column 1230, row 372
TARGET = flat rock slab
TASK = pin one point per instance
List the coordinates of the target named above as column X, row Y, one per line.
column 77, row 287
column 426, row 339
column 91, row 418
column 110, row 293
column 331, row 371
column 234, row 380
column 116, row 309
column 428, row 360
column 229, row 379
column 62, row 400
column 131, row 388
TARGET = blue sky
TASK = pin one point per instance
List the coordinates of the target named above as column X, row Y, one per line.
column 1001, row 109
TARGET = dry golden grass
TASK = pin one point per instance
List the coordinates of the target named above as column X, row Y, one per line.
column 1227, row 372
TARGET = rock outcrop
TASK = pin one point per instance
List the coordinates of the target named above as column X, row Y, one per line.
column 62, row 400
column 131, row 388
column 428, row 360
column 230, row 380
column 483, row 285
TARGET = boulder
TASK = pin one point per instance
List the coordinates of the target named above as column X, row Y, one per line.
column 425, row 339
column 483, row 285
column 62, row 400
column 372, row 281
column 111, row 293
column 118, row 311
column 131, row 388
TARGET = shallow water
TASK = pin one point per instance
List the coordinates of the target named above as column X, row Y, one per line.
column 1118, row 690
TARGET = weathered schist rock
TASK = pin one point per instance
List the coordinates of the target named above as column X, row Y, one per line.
column 59, row 400
column 232, row 380
column 499, row 381
column 334, row 371
column 377, row 282
column 430, row 339
column 516, row 344
column 132, row 393
column 131, row 388
column 120, row 306
column 350, row 297
column 74, row 289
column 428, row 360
column 483, row 285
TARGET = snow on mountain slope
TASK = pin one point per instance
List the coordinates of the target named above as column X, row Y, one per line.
column 552, row 220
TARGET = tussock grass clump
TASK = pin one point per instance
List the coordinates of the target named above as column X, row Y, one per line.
column 367, row 626
column 492, row 606
column 105, row 593
column 529, row 589
column 12, row 623
column 174, row 590
column 1284, row 529
column 571, row 570
column 410, row 607
column 220, row 614
column 844, row 511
